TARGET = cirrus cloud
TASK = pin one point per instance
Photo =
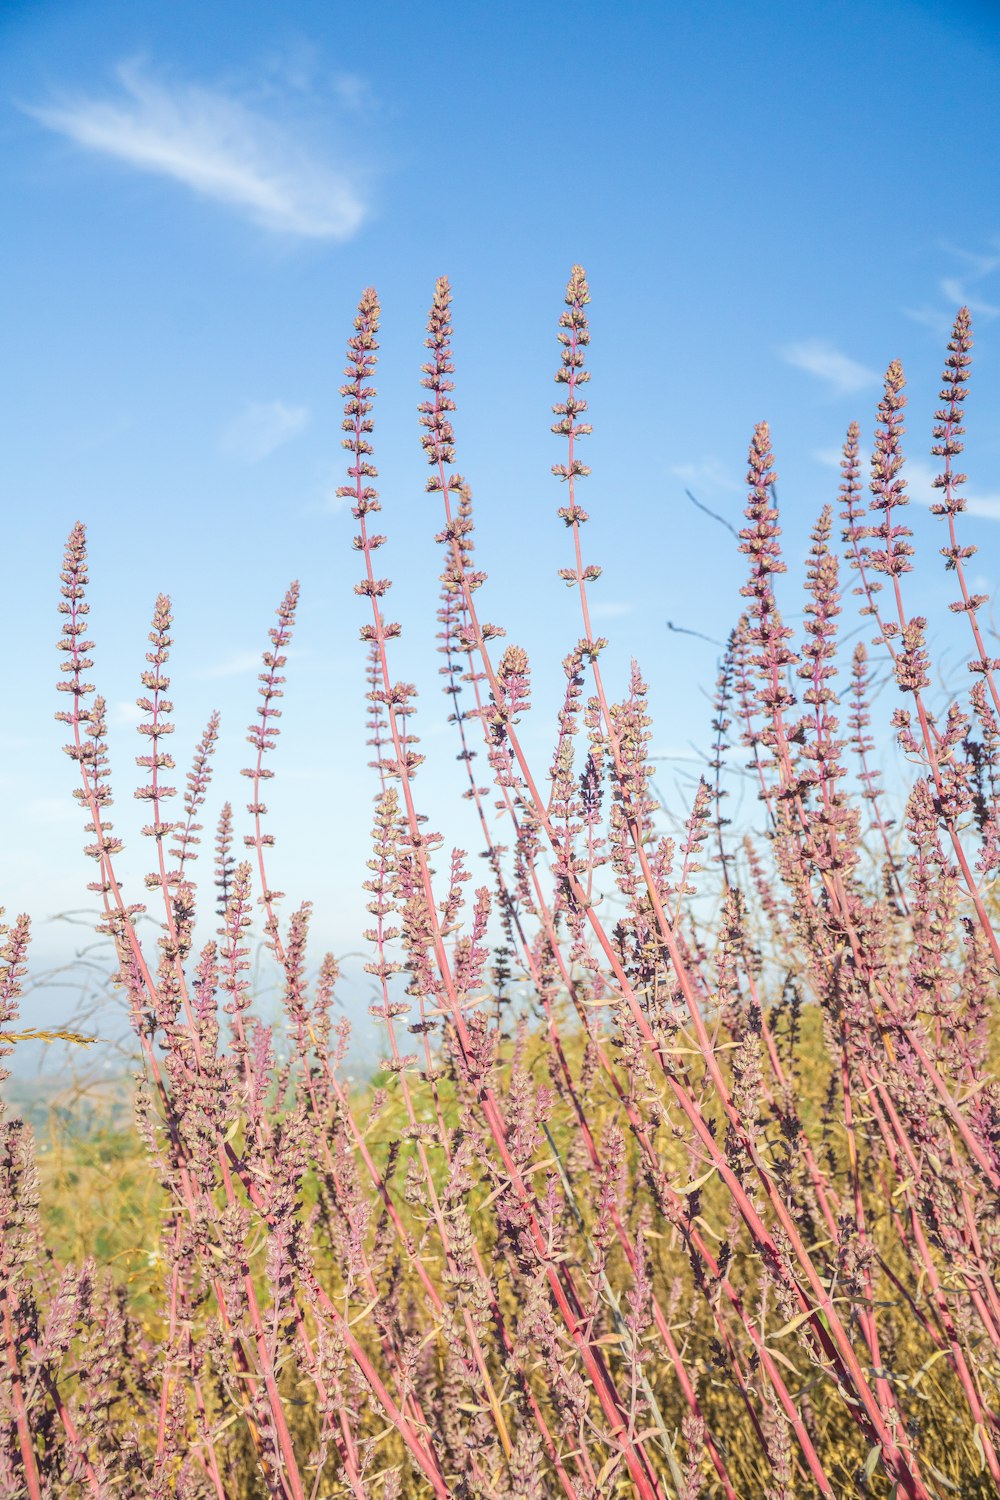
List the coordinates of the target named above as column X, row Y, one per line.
column 845, row 375
column 219, row 148
column 919, row 477
column 260, row 428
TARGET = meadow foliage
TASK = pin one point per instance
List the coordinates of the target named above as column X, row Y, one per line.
column 714, row 1212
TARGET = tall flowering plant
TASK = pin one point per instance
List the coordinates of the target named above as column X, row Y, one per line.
column 714, row 1214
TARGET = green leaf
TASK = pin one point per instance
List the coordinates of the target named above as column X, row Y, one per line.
column 871, row 1461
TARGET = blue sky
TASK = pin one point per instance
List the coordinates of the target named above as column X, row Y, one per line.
column 771, row 203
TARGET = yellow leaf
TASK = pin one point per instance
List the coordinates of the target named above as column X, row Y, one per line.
column 608, row 1469
column 794, row 1323
column 692, row 1187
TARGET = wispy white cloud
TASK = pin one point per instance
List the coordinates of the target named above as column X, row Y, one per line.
column 919, row 476
column 323, row 499
column 937, row 319
column 844, row 375
column 298, row 65
column 958, row 291
column 940, row 318
column 353, row 91
column 212, row 143
column 980, row 265
column 709, row 474
column 241, row 663
column 987, row 507
column 262, row 427
column 233, row 666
